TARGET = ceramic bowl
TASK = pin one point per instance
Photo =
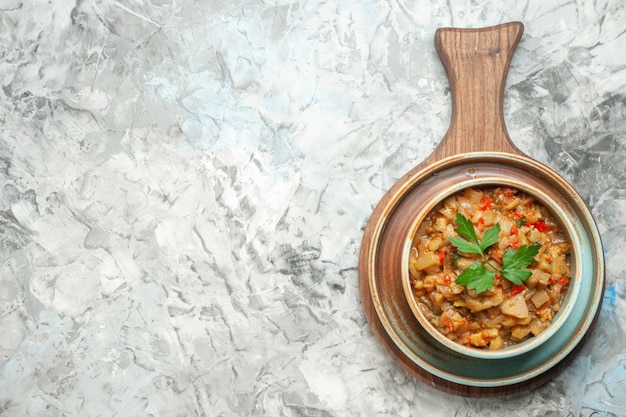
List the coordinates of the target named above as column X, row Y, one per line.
column 563, row 217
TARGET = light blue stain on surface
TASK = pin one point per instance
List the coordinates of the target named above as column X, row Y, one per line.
column 609, row 295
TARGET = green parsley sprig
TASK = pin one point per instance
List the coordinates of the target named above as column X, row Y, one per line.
column 480, row 275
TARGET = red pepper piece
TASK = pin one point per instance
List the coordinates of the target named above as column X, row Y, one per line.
column 541, row 226
column 516, row 289
column 515, row 243
column 485, row 203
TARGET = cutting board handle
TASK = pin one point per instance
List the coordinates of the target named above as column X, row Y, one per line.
column 477, row 62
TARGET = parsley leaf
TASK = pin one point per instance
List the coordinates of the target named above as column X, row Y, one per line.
column 490, row 237
column 466, row 228
column 471, row 244
column 465, row 246
column 515, row 261
column 477, row 276
column 516, row 276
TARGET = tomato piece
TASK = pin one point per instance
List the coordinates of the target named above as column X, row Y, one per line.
column 541, row 226
column 442, row 256
column 485, row 203
column 514, row 229
column 516, row 289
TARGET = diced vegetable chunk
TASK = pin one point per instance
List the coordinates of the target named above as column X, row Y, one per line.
column 539, row 298
column 426, row 259
column 515, row 307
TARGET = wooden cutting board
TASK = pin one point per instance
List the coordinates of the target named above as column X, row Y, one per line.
column 476, row 62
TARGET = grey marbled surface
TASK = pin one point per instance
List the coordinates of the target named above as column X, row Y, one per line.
column 184, row 187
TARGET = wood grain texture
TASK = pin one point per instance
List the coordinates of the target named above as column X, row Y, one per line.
column 477, row 63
